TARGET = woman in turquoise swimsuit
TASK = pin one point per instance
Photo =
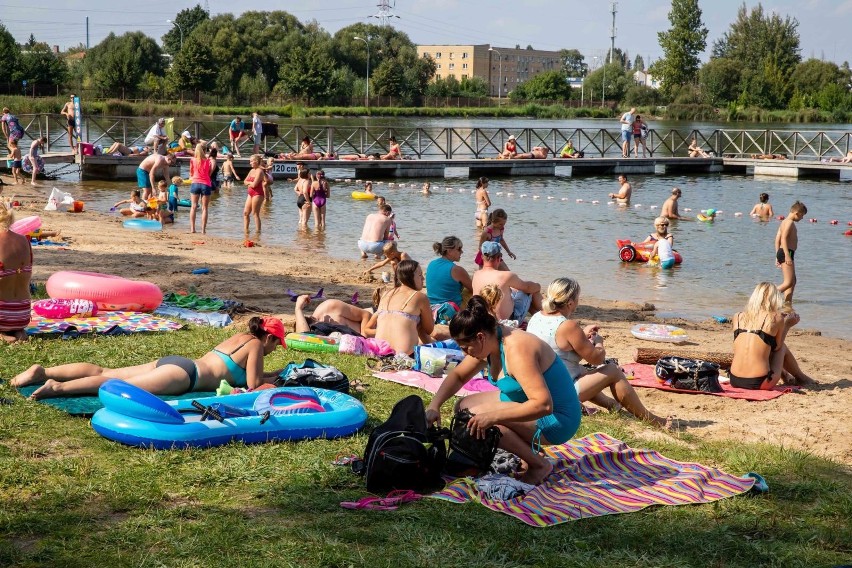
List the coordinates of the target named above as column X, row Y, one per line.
column 536, row 403
column 238, row 360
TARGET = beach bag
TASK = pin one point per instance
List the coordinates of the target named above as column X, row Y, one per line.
column 313, row 374
column 469, row 455
column 688, row 374
column 402, row 453
column 435, row 361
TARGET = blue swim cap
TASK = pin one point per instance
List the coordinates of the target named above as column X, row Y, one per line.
column 710, row 211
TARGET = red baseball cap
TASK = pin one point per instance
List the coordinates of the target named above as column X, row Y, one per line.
column 274, row 327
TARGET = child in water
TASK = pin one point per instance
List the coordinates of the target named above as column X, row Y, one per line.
column 229, row 174
column 763, row 209
column 427, row 189
column 663, row 241
column 136, row 208
column 163, row 215
column 15, row 156
column 786, row 241
column 173, row 193
column 495, row 231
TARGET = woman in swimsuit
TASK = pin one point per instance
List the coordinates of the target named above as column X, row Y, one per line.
column 510, row 150
column 763, row 208
column 403, row 317
column 536, row 403
column 254, row 199
column 483, row 202
column 572, row 343
column 761, row 356
column 321, row 192
column 303, row 196
column 394, row 152
column 16, row 265
column 238, row 360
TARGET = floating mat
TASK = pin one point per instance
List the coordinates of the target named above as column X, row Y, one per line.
column 87, row 405
column 598, row 475
column 432, row 384
column 131, row 322
column 645, row 376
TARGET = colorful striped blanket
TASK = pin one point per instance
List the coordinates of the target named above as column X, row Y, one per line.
column 131, row 322
column 598, row 475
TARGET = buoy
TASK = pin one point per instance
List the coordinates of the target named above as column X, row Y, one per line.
column 738, row 214
column 357, row 180
column 610, row 202
column 596, row 202
column 719, row 212
column 687, row 209
column 848, row 233
column 638, row 205
column 564, row 199
column 833, row 222
column 849, row 223
column 522, row 195
column 391, row 184
column 550, row 197
column 510, row 194
column 652, row 207
column 499, row 193
column 579, row 201
column 400, row 185
column 536, row 197
column 347, row 180
column 812, row 220
column 780, row 217
column 462, row 191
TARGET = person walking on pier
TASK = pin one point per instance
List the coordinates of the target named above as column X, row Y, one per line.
column 70, row 122
column 627, row 131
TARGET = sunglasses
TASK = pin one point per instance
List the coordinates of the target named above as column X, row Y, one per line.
column 662, row 224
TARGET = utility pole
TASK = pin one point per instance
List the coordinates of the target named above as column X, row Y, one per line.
column 87, row 33
column 385, row 13
column 613, row 6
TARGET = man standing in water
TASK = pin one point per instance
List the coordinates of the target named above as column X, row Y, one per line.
column 70, row 122
column 146, row 173
column 374, row 235
column 623, row 195
column 669, row 210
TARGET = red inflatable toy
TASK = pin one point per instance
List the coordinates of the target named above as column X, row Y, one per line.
column 629, row 251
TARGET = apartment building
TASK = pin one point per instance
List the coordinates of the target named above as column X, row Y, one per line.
column 503, row 68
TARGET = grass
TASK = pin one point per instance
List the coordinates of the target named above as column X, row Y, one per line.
column 71, row 498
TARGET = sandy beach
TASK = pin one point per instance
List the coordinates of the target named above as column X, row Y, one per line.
column 814, row 420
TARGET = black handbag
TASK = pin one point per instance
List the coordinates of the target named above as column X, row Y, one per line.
column 469, row 455
column 688, row 374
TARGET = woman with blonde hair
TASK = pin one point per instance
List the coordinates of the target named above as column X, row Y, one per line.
column 573, row 344
column 16, row 265
column 761, row 357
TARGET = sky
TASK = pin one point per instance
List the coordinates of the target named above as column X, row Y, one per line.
column 550, row 24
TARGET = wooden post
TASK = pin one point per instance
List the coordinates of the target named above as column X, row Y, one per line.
column 650, row 355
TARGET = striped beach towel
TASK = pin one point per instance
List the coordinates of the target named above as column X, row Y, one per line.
column 598, row 475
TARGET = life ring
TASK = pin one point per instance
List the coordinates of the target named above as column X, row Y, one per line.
column 704, row 218
column 311, row 343
column 26, row 225
column 108, row 292
column 659, row 332
column 629, row 251
column 143, row 225
column 363, row 195
column 184, row 203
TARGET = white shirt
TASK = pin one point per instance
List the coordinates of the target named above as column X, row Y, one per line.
column 664, row 250
column 155, row 131
column 628, row 125
column 257, row 125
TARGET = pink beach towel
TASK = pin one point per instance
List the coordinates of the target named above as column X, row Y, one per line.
column 432, row 384
column 644, row 376
column 598, row 475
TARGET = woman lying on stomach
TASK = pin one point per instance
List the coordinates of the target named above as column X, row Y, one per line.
column 238, row 360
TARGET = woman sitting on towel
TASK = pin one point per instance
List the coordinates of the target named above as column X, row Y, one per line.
column 403, row 317
column 573, row 343
column 536, row 403
column 16, row 265
column 238, row 360
column 761, row 356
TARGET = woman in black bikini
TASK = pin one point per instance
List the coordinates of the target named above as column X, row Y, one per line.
column 238, row 360
column 761, row 357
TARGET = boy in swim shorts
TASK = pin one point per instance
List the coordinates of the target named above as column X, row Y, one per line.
column 786, row 241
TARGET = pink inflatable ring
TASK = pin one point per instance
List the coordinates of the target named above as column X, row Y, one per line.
column 108, row 292
column 26, row 225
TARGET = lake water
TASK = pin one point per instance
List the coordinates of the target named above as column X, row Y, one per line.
column 555, row 235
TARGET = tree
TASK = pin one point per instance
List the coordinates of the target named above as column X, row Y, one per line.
column 756, row 39
column 38, row 64
column 308, row 74
column 118, row 63
column 813, row 75
column 187, row 20
column 10, row 53
column 681, row 45
column 720, row 80
column 193, row 68
column 573, row 63
column 617, row 82
column 639, row 63
column 547, row 86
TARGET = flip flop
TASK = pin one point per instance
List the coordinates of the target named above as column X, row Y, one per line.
column 354, row 300
column 115, row 331
column 70, row 332
column 390, row 503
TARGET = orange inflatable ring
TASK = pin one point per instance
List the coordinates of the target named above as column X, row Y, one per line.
column 108, row 292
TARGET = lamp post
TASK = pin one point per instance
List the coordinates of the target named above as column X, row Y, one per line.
column 499, row 76
column 367, row 43
column 179, row 28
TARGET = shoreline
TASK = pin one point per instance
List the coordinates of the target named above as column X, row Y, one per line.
column 258, row 277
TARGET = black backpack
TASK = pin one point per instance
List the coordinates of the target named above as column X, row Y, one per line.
column 313, row 374
column 402, row 453
column 469, row 455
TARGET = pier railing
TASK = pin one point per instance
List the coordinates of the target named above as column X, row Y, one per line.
column 444, row 143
